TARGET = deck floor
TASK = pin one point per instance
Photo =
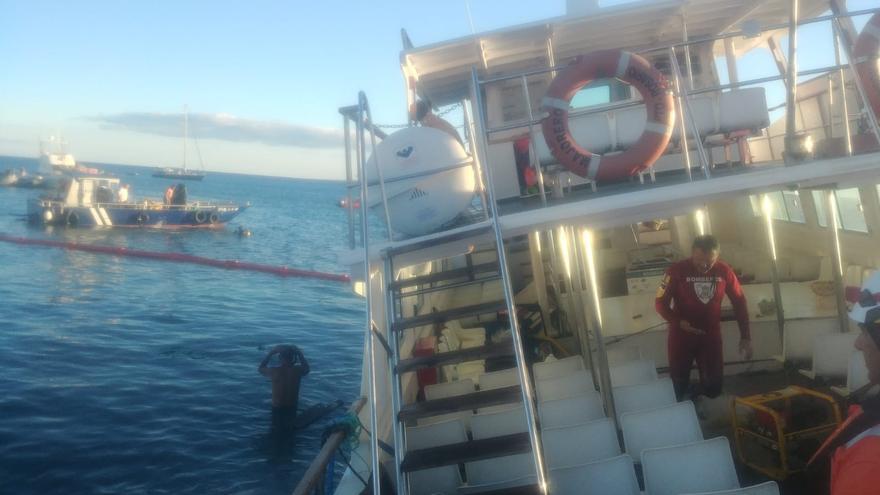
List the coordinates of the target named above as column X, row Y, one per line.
column 717, row 422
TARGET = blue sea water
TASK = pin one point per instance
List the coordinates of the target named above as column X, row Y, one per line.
column 123, row 375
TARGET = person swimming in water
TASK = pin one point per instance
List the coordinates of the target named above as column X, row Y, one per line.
column 286, row 377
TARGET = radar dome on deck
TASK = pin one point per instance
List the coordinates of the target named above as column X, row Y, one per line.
column 429, row 179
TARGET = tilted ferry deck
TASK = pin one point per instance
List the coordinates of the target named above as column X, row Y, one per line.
column 512, row 344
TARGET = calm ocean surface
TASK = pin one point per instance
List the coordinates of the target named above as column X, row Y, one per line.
column 122, row 375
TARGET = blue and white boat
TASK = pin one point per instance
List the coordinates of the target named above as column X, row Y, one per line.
column 101, row 202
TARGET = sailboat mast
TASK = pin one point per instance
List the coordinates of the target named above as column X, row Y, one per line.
column 185, row 132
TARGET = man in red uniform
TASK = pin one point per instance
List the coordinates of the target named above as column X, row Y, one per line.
column 855, row 446
column 689, row 298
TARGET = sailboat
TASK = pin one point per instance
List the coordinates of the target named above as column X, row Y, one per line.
column 181, row 172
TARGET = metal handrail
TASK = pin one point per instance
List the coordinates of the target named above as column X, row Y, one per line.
column 693, row 41
column 528, row 395
column 315, row 473
column 635, row 103
column 368, row 290
column 464, row 163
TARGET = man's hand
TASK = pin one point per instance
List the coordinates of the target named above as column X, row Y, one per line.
column 687, row 327
column 745, row 349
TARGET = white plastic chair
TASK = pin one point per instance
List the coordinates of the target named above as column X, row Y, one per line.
column 768, row 488
column 573, row 445
column 661, row 427
column 696, row 467
column 614, row 476
column 576, row 384
column 619, row 355
column 501, row 485
column 499, row 470
column 444, row 390
column 633, row 373
column 650, row 395
column 557, row 367
column 831, row 353
column 856, row 375
column 443, row 479
column 571, row 411
column 498, row 379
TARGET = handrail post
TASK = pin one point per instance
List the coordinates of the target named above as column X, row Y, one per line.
column 533, row 151
column 349, row 179
column 682, row 127
column 869, row 110
column 396, row 393
column 364, row 111
column 837, row 265
column 791, row 83
column 522, row 367
column 368, row 290
column 676, row 70
column 589, row 271
column 767, row 209
column 478, row 167
column 844, row 105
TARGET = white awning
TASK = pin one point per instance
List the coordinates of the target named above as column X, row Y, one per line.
column 443, row 69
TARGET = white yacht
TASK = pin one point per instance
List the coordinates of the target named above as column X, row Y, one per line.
column 511, row 340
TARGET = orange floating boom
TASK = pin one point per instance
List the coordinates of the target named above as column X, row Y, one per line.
column 281, row 271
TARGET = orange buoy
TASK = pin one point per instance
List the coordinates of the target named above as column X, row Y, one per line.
column 629, row 68
column 866, row 55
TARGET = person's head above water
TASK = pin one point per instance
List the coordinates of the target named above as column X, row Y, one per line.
column 286, row 354
column 704, row 252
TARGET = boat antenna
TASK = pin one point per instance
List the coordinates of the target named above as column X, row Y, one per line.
column 467, row 7
column 198, row 152
column 185, row 132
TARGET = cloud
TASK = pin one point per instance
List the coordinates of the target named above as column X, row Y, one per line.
column 223, row 127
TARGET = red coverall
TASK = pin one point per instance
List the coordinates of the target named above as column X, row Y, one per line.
column 685, row 294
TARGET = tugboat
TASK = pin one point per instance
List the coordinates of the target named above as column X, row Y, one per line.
column 104, row 202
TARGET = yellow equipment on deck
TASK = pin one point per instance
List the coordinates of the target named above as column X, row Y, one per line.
column 777, row 432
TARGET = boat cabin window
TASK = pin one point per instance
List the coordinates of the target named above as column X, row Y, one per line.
column 785, row 206
column 601, row 93
column 661, row 63
column 850, row 214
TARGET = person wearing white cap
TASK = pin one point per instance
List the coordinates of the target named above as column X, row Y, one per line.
column 854, row 449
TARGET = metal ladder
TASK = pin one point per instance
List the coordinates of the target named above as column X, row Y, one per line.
column 408, row 460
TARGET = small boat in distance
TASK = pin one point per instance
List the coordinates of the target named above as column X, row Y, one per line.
column 104, row 202
column 182, row 172
column 343, row 203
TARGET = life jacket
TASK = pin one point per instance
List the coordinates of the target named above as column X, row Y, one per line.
column 852, row 452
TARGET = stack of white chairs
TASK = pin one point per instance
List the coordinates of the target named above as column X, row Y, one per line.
column 492, row 472
column 557, row 368
column 831, row 355
column 704, row 467
column 577, row 384
column 495, row 380
column 445, row 390
column 632, row 398
column 571, row 411
column 665, row 426
column 613, row 476
column 444, row 479
column 856, row 375
column 768, row 488
column 568, row 446
column 633, row 373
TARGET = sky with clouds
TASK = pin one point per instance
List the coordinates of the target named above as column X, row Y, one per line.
column 263, row 79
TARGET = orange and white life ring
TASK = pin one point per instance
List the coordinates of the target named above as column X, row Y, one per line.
column 629, row 68
column 866, row 54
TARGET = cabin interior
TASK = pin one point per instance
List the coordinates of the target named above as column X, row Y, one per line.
column 585, row 284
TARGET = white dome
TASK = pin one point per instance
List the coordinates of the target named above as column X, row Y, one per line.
column 422, row 204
